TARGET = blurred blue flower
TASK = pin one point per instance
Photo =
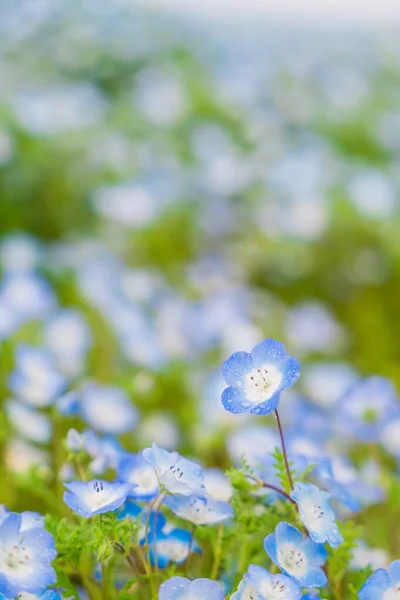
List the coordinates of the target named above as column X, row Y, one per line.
column 28, row 422
column 201, row 510
column 256, row 380
column 179, row 588
column 316, row 513
column 299, row 558
column 68, row 337
column 134, row 469
column 107, row 409
column 365, row 407
column 29, row 557
column 217, row 484
column 95, row 497
column 382, row 585
column 177, row 474
column 171, row 546
column 36, row 379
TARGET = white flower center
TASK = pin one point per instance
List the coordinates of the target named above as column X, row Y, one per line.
column 97, row 496
column 261, row 384
column 199, row 509
column 314, row 514
column 16, row 562
column 175, row 550
column 145, row 479
column 249, row 593
column 292, row 560
column 392, row 594
column 274, row 590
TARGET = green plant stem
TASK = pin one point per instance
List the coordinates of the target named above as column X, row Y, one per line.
column 278, row 421
column 218, row 552
column 146, row 536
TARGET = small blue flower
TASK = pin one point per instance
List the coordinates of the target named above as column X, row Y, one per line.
column 299, row 558
column 95, row 497
column 177, row 474
column 172, row 546
column 67, row 336
column 134, row 469
column 317, row 514
column 259, row 583
column 366, row 407
column 29, row 422
column 382, row 584
column 202, row 510
column 180, row 588
column 256, row 380
column 29, row 557
column 36, row 379
column 107, row 409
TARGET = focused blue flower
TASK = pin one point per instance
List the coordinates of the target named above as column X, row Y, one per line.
column 262, row 585
column 108, row 409
column 299, row 558
column 95, row 497
column 366, row 407
column 382, row 585
column 172, row 546
column 256, row 380
column 36, row 379
column 26, row 557
column 201, row 510
column 317, row 514
column 134, row 469
column 177, row 474
column 180, row 588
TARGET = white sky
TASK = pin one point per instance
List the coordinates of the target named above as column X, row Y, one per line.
column 356, row 11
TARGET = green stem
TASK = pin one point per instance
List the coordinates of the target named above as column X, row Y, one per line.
column 218, row 552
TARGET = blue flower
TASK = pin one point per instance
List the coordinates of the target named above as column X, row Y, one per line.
column 134, row 469
column 366, row 407
column 317, row 514
column 299, row 558
column 177, row 474
column 107, row 409
column 67, row 336
column 180, row 588
column 256, row 380
column 36, row 379
column 29, row 422
column 95, row 497
column 29, row 557
column 202, row 510
column 217, row 484
column 382, row 584
column 259, row 583
column 171, row 546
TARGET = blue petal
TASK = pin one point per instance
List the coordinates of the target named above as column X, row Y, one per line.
column 315, row 577
column 375, row 586
column 9, row 530
column 287, row 533
column 270, row 547
column 234, row 400
column 291, row 372
column 315, row 553
column 173, row 589
column 264, row 408
column 205, row 589
column 394, row 571
column 235, row 369
column 268, row 352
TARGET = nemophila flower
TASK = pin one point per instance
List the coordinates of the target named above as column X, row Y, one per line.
column 105, row 451
column 107, row 409
column 134, row 469
column 259, row 584
column 180, row 588
column 29, row 422
column 317, row 514
column 172, row 546
column 202, row 510
column 252, row 443
column 217, row 484
column 256, row 380
column 382, row 585
column 25, row 558
column 28, row 295
column 67, row 336
column 175, row 473
column 299, row 558
column 95, row 497
column 366, row 407
column 363, row 557
column 36, row 379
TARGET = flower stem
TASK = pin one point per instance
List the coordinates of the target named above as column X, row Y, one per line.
column 146, row 537
column 218, row 552
column 264, row 484
column 278, row 420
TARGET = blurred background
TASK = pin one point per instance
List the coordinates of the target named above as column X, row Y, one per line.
column 185, row 179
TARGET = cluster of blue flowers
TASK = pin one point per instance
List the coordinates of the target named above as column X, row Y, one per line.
column 156, row 479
